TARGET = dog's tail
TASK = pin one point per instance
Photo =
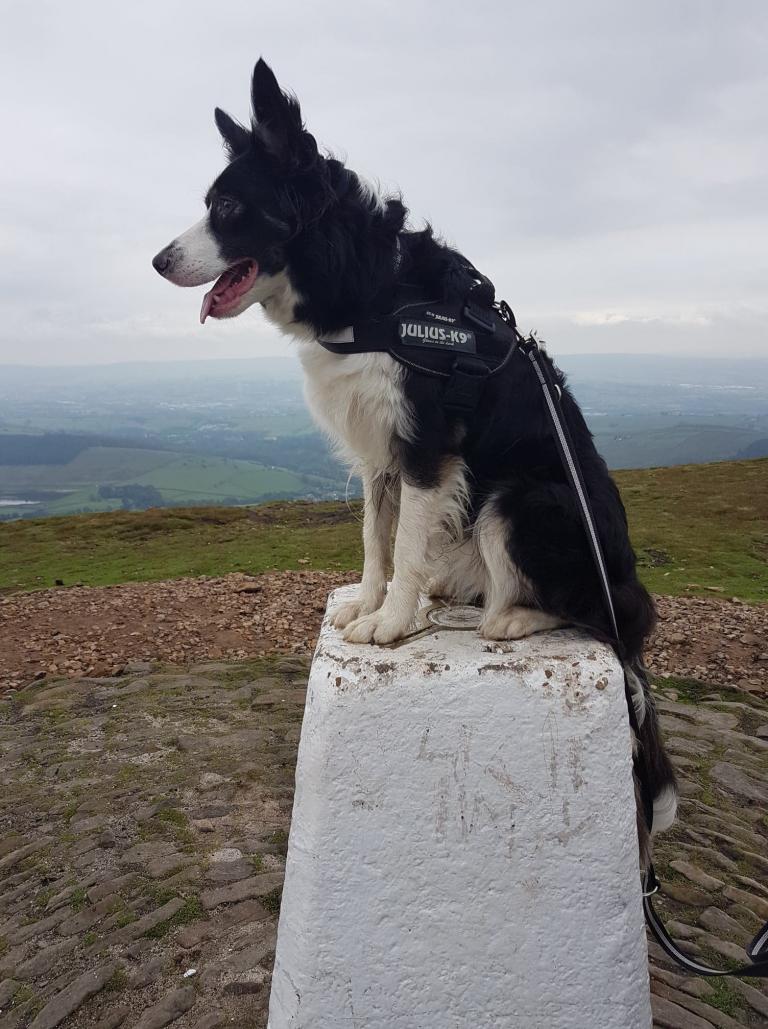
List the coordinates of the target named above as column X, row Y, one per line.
column 655, row 783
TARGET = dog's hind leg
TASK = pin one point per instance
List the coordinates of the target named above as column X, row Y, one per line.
column 513, row 623
column 458, row 573
column 380, row 499
column 507, row 590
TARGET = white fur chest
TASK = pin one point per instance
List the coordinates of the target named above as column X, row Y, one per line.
column 358, row 400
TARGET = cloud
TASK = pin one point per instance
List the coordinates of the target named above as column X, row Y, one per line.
column 610, row 318
column 603, row 163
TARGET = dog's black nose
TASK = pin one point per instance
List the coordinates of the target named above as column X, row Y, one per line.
column 161, row 262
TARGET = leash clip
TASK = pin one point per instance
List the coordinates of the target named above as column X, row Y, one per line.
column 506, row 313
column 650, row 883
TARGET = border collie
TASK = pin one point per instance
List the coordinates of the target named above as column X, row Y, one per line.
column 482, row 508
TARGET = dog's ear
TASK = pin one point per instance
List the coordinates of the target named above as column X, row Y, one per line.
column 237, row 139
column 277, row 125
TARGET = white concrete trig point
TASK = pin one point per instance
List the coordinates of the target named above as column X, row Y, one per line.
column 463, row 852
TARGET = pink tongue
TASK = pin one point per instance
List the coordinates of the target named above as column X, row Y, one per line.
column 207, row 305
column 222, row 284
column 205, row 310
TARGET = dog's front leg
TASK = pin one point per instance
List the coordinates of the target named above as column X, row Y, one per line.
column 379, row 502
column 420, row 513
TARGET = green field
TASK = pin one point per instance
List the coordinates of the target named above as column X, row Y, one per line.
column 697, row 529
column 93, row 465
column 129, row 546
column 701, row 528
column 179, row 477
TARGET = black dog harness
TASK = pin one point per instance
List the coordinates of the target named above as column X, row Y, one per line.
column 465, row 344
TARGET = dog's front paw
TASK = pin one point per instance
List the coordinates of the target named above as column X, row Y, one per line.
column 377, row 627
column 516, row 623
column 347, row 613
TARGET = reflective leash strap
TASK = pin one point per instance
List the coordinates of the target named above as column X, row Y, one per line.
column 530, row 349
column 757, row 951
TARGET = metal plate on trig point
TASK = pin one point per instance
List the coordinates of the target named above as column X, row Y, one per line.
column 440, row 616
column 459, row 617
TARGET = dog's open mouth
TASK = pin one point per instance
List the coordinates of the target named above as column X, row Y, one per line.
column 228, row 289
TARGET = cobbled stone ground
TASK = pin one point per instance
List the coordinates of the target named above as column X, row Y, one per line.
column 144, row 821
column 144, row 824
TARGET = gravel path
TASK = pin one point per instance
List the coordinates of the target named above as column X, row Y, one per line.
column 143, row 822
column 95, row 631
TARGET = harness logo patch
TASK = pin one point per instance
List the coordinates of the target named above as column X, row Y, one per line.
column 426, row 334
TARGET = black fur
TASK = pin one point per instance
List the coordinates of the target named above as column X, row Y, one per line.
column 346, row 253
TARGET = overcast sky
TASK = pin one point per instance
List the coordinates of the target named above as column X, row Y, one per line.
column 603, row 162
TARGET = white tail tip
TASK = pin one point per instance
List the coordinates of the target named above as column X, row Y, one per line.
column 664, row 809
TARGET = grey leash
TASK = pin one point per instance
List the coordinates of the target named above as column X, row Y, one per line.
column 757, row 950
column 488, row 338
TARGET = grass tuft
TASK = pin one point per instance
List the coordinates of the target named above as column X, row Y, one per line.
column 172, row 815
column 272, row 901
column 191, row 912
column 25, row 995
column 124, row 918
column 78, row 899
column 117, row 981
column 178, row 823
column 724, row 997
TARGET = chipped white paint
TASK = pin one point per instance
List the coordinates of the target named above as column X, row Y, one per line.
column 463, row 851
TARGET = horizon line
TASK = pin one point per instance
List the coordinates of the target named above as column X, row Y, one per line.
column 293, row 358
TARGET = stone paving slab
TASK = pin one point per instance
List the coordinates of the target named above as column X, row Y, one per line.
column 143, row 827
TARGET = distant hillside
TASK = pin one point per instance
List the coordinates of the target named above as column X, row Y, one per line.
column 644, row 410
column 696, row 529
column 37, row 448
column 757, row 449
column 81, row 483
column 627, row 445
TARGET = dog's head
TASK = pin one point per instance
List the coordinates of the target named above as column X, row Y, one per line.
column 276, row 183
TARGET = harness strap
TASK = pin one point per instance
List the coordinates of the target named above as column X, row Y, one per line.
column 464, row 388
column 342, row 347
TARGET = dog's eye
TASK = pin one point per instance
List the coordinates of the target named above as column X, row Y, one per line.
column 226, row 207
